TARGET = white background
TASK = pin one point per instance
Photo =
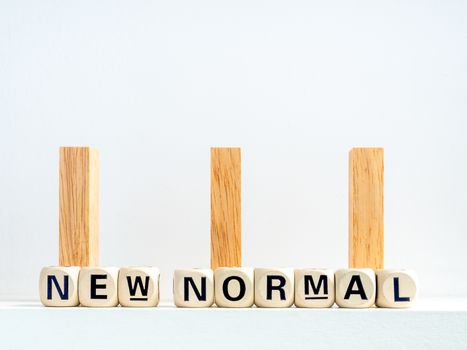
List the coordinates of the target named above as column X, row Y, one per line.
column 153, row 85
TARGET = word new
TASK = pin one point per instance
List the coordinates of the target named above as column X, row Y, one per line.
column 228, row 287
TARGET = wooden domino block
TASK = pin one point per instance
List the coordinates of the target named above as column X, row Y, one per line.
column 274, row 287
column 366, row 208
column 79, row 206
column 138, row 286
column 58, row 286
column 98, row 286
column 193, row 287
column 396, row 288
column 226, row 238
column 234, row 286
column 355, row 288
column 314, row 288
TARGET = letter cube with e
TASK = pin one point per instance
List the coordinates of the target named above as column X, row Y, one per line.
column 396, row 288
column 355, row 288
column 234, row 286
column 314, row 288
column 138, row 286
column 98, row 286
column 58, row 286
column 274, row 287
column 193, row 287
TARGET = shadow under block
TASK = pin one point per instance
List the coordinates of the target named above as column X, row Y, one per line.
column 314, row 288
column 234, row 287
column 274, row 287
column 226, row 207
column 79, row 207
column 98, row 286
column 355, row 288
column 138, row 286
column 396, row 288
column 366, row 208
column 58, row 286
column 193, row 287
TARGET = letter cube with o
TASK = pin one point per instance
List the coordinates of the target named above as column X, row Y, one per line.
column 58, row 286
column 355, row 288
column 274, row 287
column 138, row 286
column 193, row 287
column 98, row 286
column 314, row 288
column 234, row 286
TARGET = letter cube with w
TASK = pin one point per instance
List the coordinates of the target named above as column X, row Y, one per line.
column 138, row 286
column 193, row 287
column 58, row 286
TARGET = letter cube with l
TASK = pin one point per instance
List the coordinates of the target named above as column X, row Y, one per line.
column 58, row 286
column 138, row 286
column 98, row 286
column 355, row 288
column 234, row 286
column 274, row 287
column 193, row 287
column 314, row 288
column 396, row 288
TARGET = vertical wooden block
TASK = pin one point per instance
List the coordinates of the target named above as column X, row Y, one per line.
column 58, row 286
column 138, row 286
column 79, row 206
column 396, row 288
column 193, row 287
column 355, row 288
column 234, row 286
column 98, row 286
column 314, row 288
column 366, row 208
column 226, row 235
column 274, row 287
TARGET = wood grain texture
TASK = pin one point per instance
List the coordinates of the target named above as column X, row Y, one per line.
column 79, row 207
column 226, row 236
column 366, row 208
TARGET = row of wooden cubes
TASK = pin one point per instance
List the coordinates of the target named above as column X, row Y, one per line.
column 228, row 287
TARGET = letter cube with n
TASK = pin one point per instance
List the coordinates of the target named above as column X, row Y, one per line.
column 274, row 287
column 193, row 287
column 58, row 286
column 138, row 286
column 98, row 286
column 355, row 288
column 396, row 288
column 234, row 286
column 314, row 288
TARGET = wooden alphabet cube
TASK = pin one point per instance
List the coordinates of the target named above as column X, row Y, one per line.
column 58, row 285
column 138, row 286
column 234, row 286
column 274, row 287
column 193, row 287
column 355, row 288
column 396, row 288
column 314, row 288
column 98, row 286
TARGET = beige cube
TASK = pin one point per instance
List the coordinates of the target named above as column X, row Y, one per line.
column 314, row 288
column 396, row 288
column 193, row 287
column 98, row 286
column 355, row 288
column 58, row 286
column 138, row 286
column 234, row 286
column 274, row 287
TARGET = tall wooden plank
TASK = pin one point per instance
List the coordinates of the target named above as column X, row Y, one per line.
column 79, row 206
column 226, row 239
column 366, row 208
